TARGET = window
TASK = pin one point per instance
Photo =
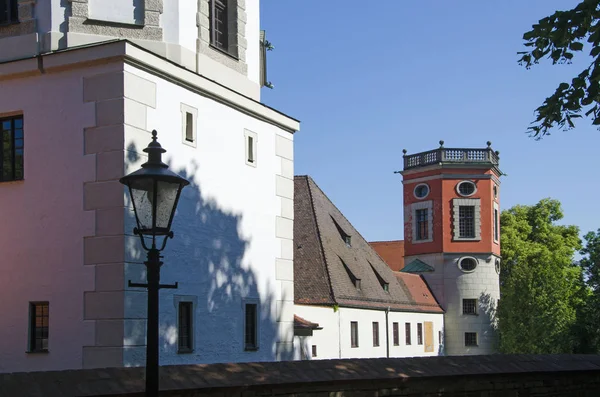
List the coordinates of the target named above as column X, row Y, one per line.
column 422, row 224
column 407, row 331
column 386, row 287
column 375, row 334
column 344, row 236
column 497, row 266
column 217, row 15
column 353, row 334
column 184, row 327
column 495, row 191
column 353, row 278
column 469, row 306
column 419, row 333
column 189, row 117
column 496, row 224
column 11, row 148
column 421, row 191
column 251, row 327
column 38, row 326
column 466, row 221
column 467, row 264
column 396, row 334
column 470, row 338
column 9, row 11
column 314, row 350
column 466, row 188
column 384, row 284
column 251, row 147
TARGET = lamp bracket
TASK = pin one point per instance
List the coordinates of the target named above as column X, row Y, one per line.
column 167, row 286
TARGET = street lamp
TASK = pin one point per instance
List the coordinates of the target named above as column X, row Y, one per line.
column 154, row 192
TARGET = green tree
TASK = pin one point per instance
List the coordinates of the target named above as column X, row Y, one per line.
column 540, row 287
column 558, row 37
column 588, row 324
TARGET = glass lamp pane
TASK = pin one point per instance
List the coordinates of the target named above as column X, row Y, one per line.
column 167, row 194
column 142, row 192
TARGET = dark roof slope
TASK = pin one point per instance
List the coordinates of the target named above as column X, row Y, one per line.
column 328, row 271
column 392, row 252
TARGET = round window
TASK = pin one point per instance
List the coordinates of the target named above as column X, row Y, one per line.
column 498, row 266
column 467, row 264
column 421, row 191
column 466, row 188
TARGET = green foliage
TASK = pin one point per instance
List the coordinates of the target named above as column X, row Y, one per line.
column 558, row 37
column 589, row 318
column 541, row 289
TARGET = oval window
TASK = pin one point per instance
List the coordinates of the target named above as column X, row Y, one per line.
column 498, row 266
column 466, row 188
column 495, row 191
column 421, row 191
column 467, row 264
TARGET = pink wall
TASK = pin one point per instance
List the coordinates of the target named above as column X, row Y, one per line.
column 42, row 221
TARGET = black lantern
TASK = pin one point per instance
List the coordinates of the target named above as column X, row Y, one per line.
column 154, row 192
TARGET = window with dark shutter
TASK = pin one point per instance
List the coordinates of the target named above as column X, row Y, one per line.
column 251, row 327
column 38, row 326
column 185, row 327
column 218, row 24
column 11, row 149
column 9, row 11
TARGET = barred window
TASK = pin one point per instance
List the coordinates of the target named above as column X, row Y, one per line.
column 218, row 24
column 185, row 327
column 38, row 326
column 470, row 338
column 466, row 221
column 469, row 306
column 9, row 11
column 422, row 224
column 11, row 148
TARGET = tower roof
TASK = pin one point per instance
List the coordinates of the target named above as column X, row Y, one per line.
column 334, row 264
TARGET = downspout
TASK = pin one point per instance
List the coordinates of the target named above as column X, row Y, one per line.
column 339, row 334
column 387, row 332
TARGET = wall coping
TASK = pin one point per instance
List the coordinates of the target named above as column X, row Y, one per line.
column 188, row 378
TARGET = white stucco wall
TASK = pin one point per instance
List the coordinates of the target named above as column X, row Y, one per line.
column 333, row 341
column 128, row 11
column 43, row 223
column 225, row 244
column 253, row 39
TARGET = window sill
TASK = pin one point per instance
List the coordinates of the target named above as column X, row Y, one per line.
column 12, row 181
column 466, row 239
column 185, row 351
column 91, row 21
column 38, row 351
column 429, row 240
column 224, row 52
column 354, row 347
column 250, row 349
column 8, row 23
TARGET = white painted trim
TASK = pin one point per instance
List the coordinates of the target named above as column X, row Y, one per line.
column 428, row 205
column 249, row 135
column 415, row 191
column 194, row 112
column 468, row 182
column 458, row 263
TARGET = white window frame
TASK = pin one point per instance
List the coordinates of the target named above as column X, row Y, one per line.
column 428, row 205
column 496, row 223
column 251, row 301
column 193, row 299
column 458, row 202
column 250, row 134
column 194, row 112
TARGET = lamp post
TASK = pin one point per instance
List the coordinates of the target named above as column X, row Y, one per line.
column 154, row 192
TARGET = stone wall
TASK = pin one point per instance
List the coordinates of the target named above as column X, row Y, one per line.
column 498, row 375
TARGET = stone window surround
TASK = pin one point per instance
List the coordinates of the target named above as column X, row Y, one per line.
column 193, row 299
column 26, row 23
column 236, row 19
column 456, row 203
column 459, row 261
column 80, row 22
column 469, row 182
column 428, row 205
column 249, row 134
column 194, row 112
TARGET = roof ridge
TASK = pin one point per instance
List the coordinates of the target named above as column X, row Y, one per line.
column 385, row 241
column 314, row 214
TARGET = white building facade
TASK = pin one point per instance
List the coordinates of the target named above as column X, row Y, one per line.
column 77, row 118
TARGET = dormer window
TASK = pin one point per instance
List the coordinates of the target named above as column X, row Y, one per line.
column 345, row 236
column 384, row 284
column 355, row 280
column 218, row 24
column 9, row 11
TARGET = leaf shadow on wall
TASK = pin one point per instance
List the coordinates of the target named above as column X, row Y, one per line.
column 207, row 257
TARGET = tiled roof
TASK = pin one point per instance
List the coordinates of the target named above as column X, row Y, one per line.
column 417, row 266
column 324, row 266
column 392, row 252
column 299, row 322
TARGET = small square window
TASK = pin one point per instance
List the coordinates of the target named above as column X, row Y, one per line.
column 251, row 148
column 314, row 350
column 39, row 315
column 470, row 306
column 470, row 338
column 189, row 127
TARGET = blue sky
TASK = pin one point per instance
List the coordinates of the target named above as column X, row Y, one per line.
column 367, row 82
